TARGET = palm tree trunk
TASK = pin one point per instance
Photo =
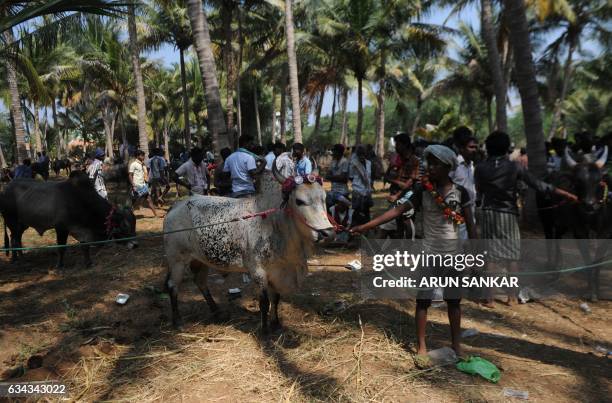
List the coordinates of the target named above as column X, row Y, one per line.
column 293, row 74
column 380, row 134
column 318, row 111
column 359, row 110
column 11, row 78
column 333, row 111
column 567, row 72
column 489, row 115
column 273, row 127
column 37, row 135
column 344, row 130
column 283, row 111
column 238, row 74
column 417, row 116
column 490, row 39
column 229, row 63
column 141, row 111
column 187, row 129
column 257, row 121
column 527, row 84
column 26, row 119
column 2, row 159
column 58, row 133
column 203, row 46
column 126, row 154
column 166, row 140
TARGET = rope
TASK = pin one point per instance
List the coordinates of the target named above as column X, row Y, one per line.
column 262, row 214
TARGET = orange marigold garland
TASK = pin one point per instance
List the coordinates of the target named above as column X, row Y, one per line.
column 448, row 212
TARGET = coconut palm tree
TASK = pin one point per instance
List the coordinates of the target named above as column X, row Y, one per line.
column 141, row 109
column 203, row 46
column 294, row 89
column 527, row 84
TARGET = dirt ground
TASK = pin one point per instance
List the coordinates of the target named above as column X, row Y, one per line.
column 67, row 326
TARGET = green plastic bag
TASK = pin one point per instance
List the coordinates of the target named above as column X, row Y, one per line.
column 476, row 365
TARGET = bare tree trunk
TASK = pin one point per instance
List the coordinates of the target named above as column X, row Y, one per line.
column 567, row 72
column 15, row 106
column 318, row 110
column 273, row 127
column 333, row 111
column 344, row 130
column 187, row 128
column 380, row 134
column 229, row 63
column 126, row 153
column 283, row 111
column 203, row 46
column 293, row 73
column 359, row 110
column 141, row 111
column 44, row 138
column 499, row 85
column 257, row 121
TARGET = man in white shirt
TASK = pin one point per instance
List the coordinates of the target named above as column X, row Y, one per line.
column 274, row 150
column 242, row 166
column 195, row 172
column 138, row 179
column 94, row 171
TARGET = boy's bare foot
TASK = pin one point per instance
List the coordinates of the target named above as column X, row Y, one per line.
column 458, row 350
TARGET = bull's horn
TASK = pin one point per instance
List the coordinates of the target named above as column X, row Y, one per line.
column 279, row 177
column 601, row 161
column 568, row 158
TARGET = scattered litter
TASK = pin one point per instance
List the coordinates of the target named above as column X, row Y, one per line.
column 527, row 294
column 585, row 307
column 469, row 332
column 476, row 365
column 603, row 350
column 443, row 356
column 519, row 394
column 122, row 299
column 354, row 265
column 246, row 279
column 335, row 307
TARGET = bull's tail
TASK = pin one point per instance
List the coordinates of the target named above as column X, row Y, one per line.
column 7, row 243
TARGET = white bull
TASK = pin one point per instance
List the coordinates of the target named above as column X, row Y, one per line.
column 274, row 250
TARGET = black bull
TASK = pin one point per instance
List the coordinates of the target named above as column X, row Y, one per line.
column 589, row 218
column 71, row 207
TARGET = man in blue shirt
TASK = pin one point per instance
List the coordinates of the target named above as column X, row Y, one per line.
column 24, row 170
column 303, row 166
column 242, row 166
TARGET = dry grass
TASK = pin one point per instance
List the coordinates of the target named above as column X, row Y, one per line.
column 106, row 352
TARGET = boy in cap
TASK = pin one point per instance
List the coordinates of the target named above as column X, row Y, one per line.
column 444, row 206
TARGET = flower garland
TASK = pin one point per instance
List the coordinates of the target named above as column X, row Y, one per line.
column 449, row 213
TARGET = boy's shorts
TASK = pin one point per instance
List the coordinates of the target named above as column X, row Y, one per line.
column 141, row 191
